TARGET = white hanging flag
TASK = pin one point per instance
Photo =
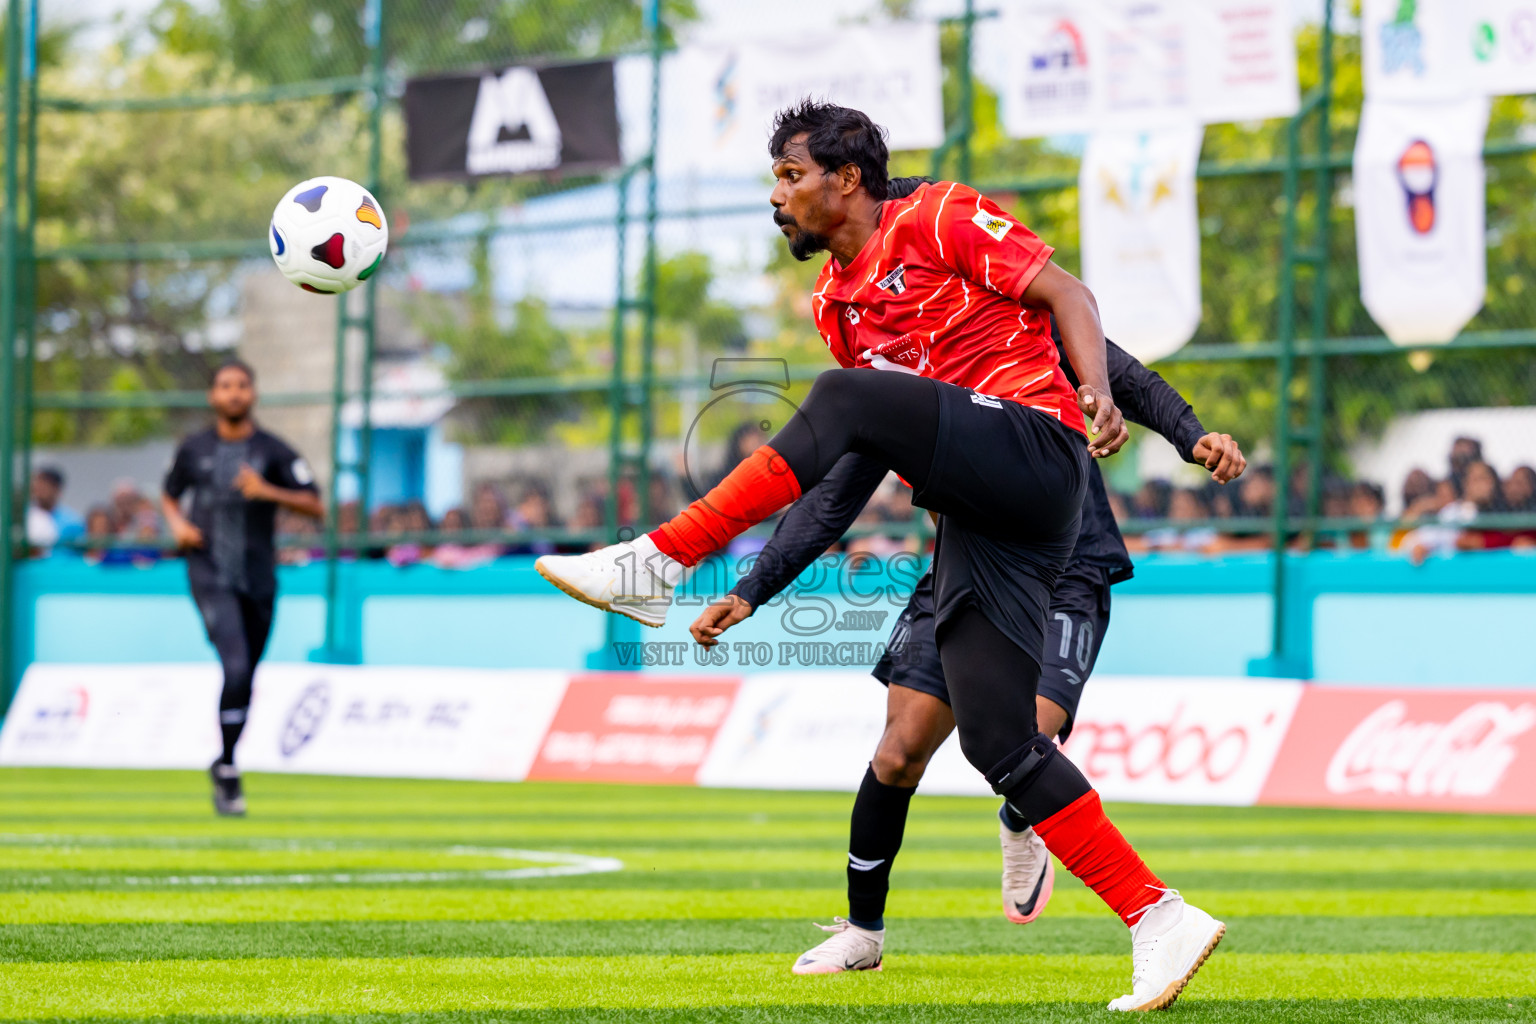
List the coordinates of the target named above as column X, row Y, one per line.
column 1132, row 65
column 719, row 98
column 1418, row 188
column 1141, row 237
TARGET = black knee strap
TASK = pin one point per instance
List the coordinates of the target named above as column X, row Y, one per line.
column 1020, row 768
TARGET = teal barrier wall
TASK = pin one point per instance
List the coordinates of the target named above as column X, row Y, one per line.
column 1366, row 618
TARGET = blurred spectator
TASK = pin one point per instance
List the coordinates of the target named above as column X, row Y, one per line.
column 100, row 527
column 1464, row 452
column 47, row 495
column 1184, row 506
column 41, row 531
column 1256, row 492
column 1367, row 501
column 747, row 438
column 411, row 519
column 487, row 510
column 532, row 512
column 454, row 555
column 1151, row 500
column 1520, row 490
column 301, row 535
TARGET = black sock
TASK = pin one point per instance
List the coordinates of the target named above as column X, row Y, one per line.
column 231, row 725
column 1011, row 818
column 879, row 819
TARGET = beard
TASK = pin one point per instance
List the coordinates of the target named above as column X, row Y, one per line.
column 802, row 244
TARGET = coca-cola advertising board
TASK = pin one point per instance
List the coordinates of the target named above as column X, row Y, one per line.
column 1181, row 741
column 1409, row 750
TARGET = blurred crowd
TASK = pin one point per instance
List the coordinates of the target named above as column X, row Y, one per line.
column 519, row 518
column 1435, row 512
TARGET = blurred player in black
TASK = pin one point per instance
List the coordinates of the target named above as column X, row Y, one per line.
column 221, row 498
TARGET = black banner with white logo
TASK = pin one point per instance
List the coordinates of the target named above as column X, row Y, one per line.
column 520, row 120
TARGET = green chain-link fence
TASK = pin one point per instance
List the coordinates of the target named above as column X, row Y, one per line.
column 140, row 173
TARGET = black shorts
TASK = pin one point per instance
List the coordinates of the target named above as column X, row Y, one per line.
column 1007, row 483
column 1078, row 619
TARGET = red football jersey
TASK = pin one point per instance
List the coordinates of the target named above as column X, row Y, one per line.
column 935, row 292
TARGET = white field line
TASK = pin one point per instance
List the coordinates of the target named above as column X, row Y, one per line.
column 551, row 864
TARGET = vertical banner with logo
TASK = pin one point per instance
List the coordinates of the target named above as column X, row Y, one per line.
column 521, row 120
column 721, row 97
column 1120, row 65
column 1141, row 236
column 1418, row 186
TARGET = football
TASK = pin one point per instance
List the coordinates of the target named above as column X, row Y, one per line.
column 328, row 235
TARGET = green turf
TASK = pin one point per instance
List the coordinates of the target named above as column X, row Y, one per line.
column 121, row 897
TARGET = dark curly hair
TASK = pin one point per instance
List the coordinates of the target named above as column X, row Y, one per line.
column 836, row 136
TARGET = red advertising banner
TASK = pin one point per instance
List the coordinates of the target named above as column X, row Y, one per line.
column 1471, row 751
column 623, row 727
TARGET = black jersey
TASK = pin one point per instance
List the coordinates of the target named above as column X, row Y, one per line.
column 825, row 512
column 238, row 551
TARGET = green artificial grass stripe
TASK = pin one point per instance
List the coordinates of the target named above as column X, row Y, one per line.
column 409, row 985
column 904, row 937
column 1309, row 1011
column 103, row 855
column 489, row 904
column 622, row 885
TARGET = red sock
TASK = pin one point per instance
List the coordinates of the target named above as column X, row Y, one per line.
column 756, row 489
column 1092, row 848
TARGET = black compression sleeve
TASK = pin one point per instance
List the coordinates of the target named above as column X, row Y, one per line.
column 812, row 524
column 1145, row 398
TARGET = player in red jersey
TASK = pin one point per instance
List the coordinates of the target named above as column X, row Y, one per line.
column 951, row 297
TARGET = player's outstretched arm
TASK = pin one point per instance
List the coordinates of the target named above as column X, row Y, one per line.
column 812, row 524
column 1082, row 337
column 1146, row 398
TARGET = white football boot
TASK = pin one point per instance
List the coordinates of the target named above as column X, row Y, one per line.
column 633, row 579
column 1168, row 945
column 850, row 948
column 1028, row 875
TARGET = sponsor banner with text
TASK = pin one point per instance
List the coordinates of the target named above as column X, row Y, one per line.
column 1409, row 750
column 624, row 727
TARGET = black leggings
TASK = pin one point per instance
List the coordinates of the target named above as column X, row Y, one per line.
column 893, row 418
column 238, row 626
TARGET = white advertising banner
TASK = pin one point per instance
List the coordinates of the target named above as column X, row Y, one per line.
column 719, row 97
column 1160, row 740
column 798, row 730
column 1448, row 49
column 412, row 722
column 1419, row 216
column 1111, row 65
column 326, row 719
column 114, row 716
column 1141, row 237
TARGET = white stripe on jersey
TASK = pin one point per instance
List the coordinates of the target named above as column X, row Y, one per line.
column 977, row 386
column 936, row 215
column 936, row 291
column 1037, row 380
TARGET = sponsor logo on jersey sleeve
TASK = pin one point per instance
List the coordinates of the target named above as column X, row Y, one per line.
column 993, row 225
column 302, row 473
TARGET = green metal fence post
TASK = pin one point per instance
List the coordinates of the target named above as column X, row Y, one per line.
column 369, row 325
column 967, row 125
column 332, row 652
column 8, row 321
column 1317, row 378
column 27, row 299
column 648, row 307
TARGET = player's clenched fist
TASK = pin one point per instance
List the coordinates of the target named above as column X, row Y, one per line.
column 718, row 618
column 1221, row 455
column 1108, row 432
